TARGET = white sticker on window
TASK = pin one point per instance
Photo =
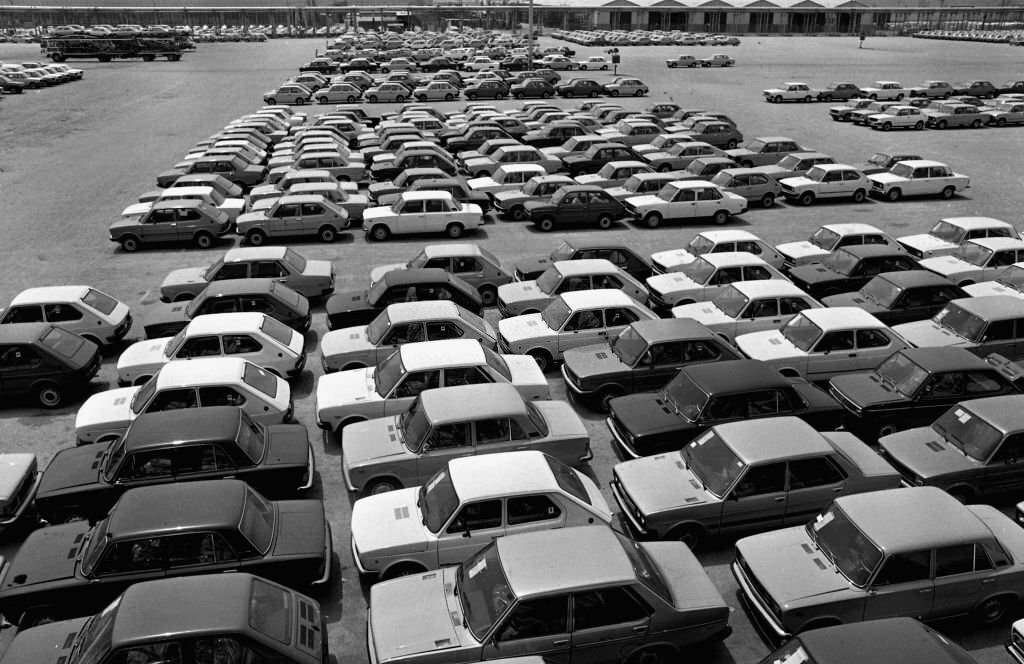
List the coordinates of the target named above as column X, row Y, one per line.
column 477, row 567
column 703, row 439
column 437, row 480
column 823, row 520
column 962, row 415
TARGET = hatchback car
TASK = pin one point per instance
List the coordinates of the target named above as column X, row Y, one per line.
column 83, row 310
column 46, row 363
column 187, row 221
column 293, row 216
column 470, row 262
column 900, row 297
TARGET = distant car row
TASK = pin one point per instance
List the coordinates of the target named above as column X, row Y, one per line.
column 889, row 90
column 935, row 114
column 16, row 78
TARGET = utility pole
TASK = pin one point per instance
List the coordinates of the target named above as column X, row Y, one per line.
column 529, row 23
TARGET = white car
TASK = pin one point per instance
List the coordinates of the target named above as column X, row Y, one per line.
column 1007, row 282
column 790, row 91
column 83, row 310
column 594, row 62
column 706, row 276
column 481, row 63
column 506, row 178
column 818, row 344
column 391, row 386
column 827, row 239
column 252, row 336
column 522, row 297
column 749, row 306
column 949, row 233
column 715, row 242
column 977, row 260
column 898, row 117
column 885, row 91
column 232, row 207
column 422, row 211
column 466, row 505
column 627, row 87
column 436, row 91
column 204, row 381
column 485, row 166
column 826, row 181
column 572, row 320
column 691, row 199
column 614, row 173
column 918, row 177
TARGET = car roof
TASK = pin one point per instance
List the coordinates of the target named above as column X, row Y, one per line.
column 494, row 475
column 842, row 318
column 200, row 371
column 936, row 359
column 254, row 253
column 231, row 323
column 997, row 243
column 424, row 195
column 691, row 184
column 789, row 437
column 167, row 428
column 13, row 466
column 585, row 266
column 425, row 355
column 404, row 312
column 300, row 198
column 1005, row 413
column 472, row 402
column 45, row 294
column 670, row 329
column 868, row 250
column 587, row 299
column 167, row 508
column 973, row 223
column 768, row 288
column 566, row 558
column 917, row 163
column 731, row 258
column 732, row 375
column 224, row 287
column 418, row 275
column 853, row 229
column 913, row 278
column 913, row 518
column 774, row 139
column 989, row 307
column 523, row 168
column 877, row 640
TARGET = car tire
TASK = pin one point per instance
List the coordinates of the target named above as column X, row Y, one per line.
column 327, row 234
column 471, row 96
column 664, row 168
column 518, row 213
column 886, row 126
column 993, row 609
column 454, row 230
column 605, row 396
column 488, row 296
column 1000, row 122
column 653, row 220
column 372, row 99
column 873, row 97
column 807, row 99
column 323, row 100
column 449, row 96
column 976, row 124
column 203, row 240
column 671, row 65
column 299, row 101
column 941, row 124
column 894, row 194
column 379, row 486
column 899, row 97
column 948, row 192
column 256, row 237
column 860, row 196
column 380, row 233
column 806, row 198
column 130, row 244
column 604, row 221
column 691, row 535
column 402, row 569
column 613, row 93
column 546, row 95
column 272, row 101
column 768, row 200
column 567, row 94
column 731, row 144
column 546, row 224
column 720, row 217
column 593, row 94
column 350, row 99
column 639, row 93
column 919, row 126
column 49, row 395
column 542, row 358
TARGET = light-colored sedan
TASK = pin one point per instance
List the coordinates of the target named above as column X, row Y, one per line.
column 465, row 506
column 294, row 216
column 627, row 87
column 919, row 177
column 977, row 260
column 339, row 93
column 422, row 212
column 707, row 276
column 395, row 92
column 749, row 306
column 523, row 297
column 715, row 242
column 949, row 233
column 436, row 91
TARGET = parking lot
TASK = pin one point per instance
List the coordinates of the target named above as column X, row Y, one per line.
column 72, row 157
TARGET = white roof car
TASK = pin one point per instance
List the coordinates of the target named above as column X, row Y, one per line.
column 917, row 177
column 948, row 233
column 1007, row 282
column 391, row 386
column 827, row 239
column 83, row 310
column 977, row 260
column 708, row 242
column 19, row 474
column 253, row 336
column 706, row 276
column 462, row 508
column 203, row 381
column 506, row 177
column 520, row 297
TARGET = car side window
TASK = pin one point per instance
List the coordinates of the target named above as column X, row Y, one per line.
column 573, row 284
column 770, row 478
column 762, row 309
column 234, row 271
column 905, row 568
column 493, row 430
column 958, row 559
column 449, row 435
column 59, row 313
column 219, row 306
column 168, row 652
column 603, row 607
column 1011, row 450
column 607, row 281
column 763, row 402
column 197, row 549
column 483, row 515
column 619, row 316
column 173, row 400
column 24, row 314
column 268, row 269
column 700, row 351
column 199, row 347
column 728, row 275
column 443, row 330
column 536, row 618
column 403, row 334
column 228, row 650
column 20, row 357
column 201, row 459
column 220, row 395
column 415, row 382
column 814, row 472
column 944, row 385
column 286, row 210
column 235, row 344
column 1000, row 330
column 528, row 509
column 134, row 556
column 584, row 320
column 465, row 376
column 835, row 341
column 756, row 273
column 980, row 382
column 871, row 339
column 147, row 465
column 666, row 353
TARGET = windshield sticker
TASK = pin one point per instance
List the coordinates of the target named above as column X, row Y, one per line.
column 823, row 520
column 962, row 415
column 434, row 482
column 703, row 439
column 477, row 567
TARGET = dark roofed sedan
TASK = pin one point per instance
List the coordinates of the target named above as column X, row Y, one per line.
column 575, row 205
column 901, row 297
column 624, row 257
column 849, row 268
column 164, row 447
column 152, row 532
column 704, row 395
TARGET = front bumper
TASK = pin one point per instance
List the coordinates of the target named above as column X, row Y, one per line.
column 762, row 618
column 621, row 439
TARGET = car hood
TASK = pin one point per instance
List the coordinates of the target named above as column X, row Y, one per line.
column 71, row 468
column 378, row 212
column 592, row 361
column 646, row 414
column 702, row 312
column 521, row 291
column 925, row 453
column 346, row 388
column 415, row 614
column 926, row 333
column 802, row 252
column 148, row 352
column 789, row 566
column 661, row 483
column 520, row 328
column 184, row 276
column 371, row 441
column 482, row 183
column 947, row 265
column 645, row 200
column 926, row 243
column 672, row 259
column 377, row 273
column 49, row 554
column 767, row 345
column 673, row 282
column 509, row 195
column 866, row 390
column 389, row 521
column 164, row 312
column 852, row 300
column 590, row 178
column 886, row 177
column 300, row 528
column 136, row 209
column 110, row 409
column 345, row 340
column 796, row 181
column 531, row 265
column 353, row 300
column 44, row 644
column 814, row 273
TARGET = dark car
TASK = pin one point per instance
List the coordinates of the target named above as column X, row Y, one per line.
column 643, row 358
column 321, row 65
column 916, row 385
column 623, row 257
column 388, row 170
column 575, row 205
column 703, row 395
column 164, row 447
column 1010, row 87
column 379, row 192
column 880, row 162
column 901, row 297
column 980, row 89
column 12, row 85
column 360, row 64
column 232, row 167
column 360, row 307
column 266, row 296
column 486, row 89
column 597, row 156
column 849, row 268
column 533, row 88
column 437, row 63
column 228, row 618
column 840, row 91
column 580, row 87
column 45, row 362
column 474, row 138
column 152, row 532
column 554, row 134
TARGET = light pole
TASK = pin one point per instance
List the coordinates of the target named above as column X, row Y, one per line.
column 529, row 26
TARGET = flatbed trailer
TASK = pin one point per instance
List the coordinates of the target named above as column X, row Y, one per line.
column 108, row 48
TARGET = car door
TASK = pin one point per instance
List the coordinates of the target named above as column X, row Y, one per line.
column 200, row 553
column 902, row 587
column 584, row 327
column 538, row 626
column 756, row 500
column 160, row 225
column 831, row 185
column 812, row 484
column 285, row 220
column 475, row 526
column 407, row 389
column 129, row 561
column 835, row 352
column 1002, row 336
column 539, row 511
column 20, row 366
column 311, row 215
column 607, row 622
column 964, row 575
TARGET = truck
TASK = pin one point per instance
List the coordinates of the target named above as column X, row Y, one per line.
column 107, row 48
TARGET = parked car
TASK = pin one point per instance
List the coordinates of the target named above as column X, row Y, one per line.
column 840, row 91
column 715, row 242
column 918, row 178
column 885, row 90
column 900, row 297
column 45, row 362
column 899, row 117
column 1007, row 282
column 422, row 212
column 339, row 92
column 873, row 546
column 717, row 60
column 750, row 184
column 881, row 162
column 512, row 202
column 294, row 216
column 949, row 233
column 293, row 93
column 580, row 87
column 764, row 150
column 620, row 255
column 532, row 296
column 953, row 114
column 19, row 477
column 748, row 306
column 467, row 504
column 187, row 221
column 625, row 86
column 202, row 530
column 576, row 204
column 391, row 452
column 476, row 266
column 82, row 310
column 730, row 480
column 532, row 88
column 932, row 90
column 985, row 324
column 682, row 60
column 977, row 260
column 847, row 269
column 829, row 238
column 686, row 200
column 790, row 91
column 705, row 277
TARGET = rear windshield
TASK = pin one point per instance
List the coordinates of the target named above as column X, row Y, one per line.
column 287, row 295
column 257, row 523
column 270, row 610
column 101, row 302
column 277, row 330
column 61, row 342
column 568, row 479
column 260, row 379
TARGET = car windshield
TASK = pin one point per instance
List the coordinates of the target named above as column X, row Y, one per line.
column 388, row 373
column 497, row 362
column 722, row 179
column 960, row 321
column 94, row 639
column 548, row 281
column 792, row 652
column 881, row 291
column 789, row 162
column 116, row 453
column 825, row 239
column 260, row 379
column 879, row 159
column 563, row 252
column 902, row 170
column 975, row 254
column 730, row 301
column 816, row 173
column 270, row 610
column 257, row 522
column 901, row 374
column 556, row 313
column 483, row 590
column 175, row 343
column 294, row 260
column 755, row 145
column 414, row 426
column 853, row 554
column 966, row 431
column 556, row 198
column 699, row 270
column 841, row 262
column 277, row 330
column 568, row 479
column 667, row 193
column 99, row 301
column 531, row 186
column 700, row 245
column 801, row 332
column 684, row 396
column 419, row 260
column 378, row 327
column 144, row 394
column 252, row 439
column 285, row 294
column 713, row 463
column 632, row 183
column 438, row 501
column 948, row 232
column 1013, row 277
column 629, row 346
column 62, row 342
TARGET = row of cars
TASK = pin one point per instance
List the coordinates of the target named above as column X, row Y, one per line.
column 889, row 91
column 644, row 38
column 16, row 78
column 1014, row 37
column 919, row 113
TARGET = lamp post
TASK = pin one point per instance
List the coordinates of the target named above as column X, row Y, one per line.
column 529, row 26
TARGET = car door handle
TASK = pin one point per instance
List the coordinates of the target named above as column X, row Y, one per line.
column 780, row 499
column 776, row 320
column 640, row 628
column 560, row 642
column 992, row 580
column 926, row 591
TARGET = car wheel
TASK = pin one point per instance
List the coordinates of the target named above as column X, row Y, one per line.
column 806, row 198
column 322, row 100
column 807, row 99
column 873, row 97
column 894, row 194
column 546, row 95
column 731, row 144
column 379, row 233
column 993, row 609
column 671, row 65
column 604, row 68
column 567, row 94
column 399, row 98
column 653, row 220
column 899, row 97
column 664, row 168
column 471, row 96
column 381, row 486
column 824, row 97
column 651, row 655
column 481, row 174
column 130, row 243
column 542, row 358
column 1001, row 122
column 299, row 101
column 605, row 396
column 454, row 230
column 402, row 569
column 613, row 93
column 327, row 234
column 593, row 93
column 604, row 222
column 272, row 101
column 941, row 124
column 690, row 535
column 256, row 237
column 639, row 93
column 518, row 213
column 203, row 240
column 947, row 192
column 372, row 99
column 49, row 395
column 976, row 124
column 449, row 96
column 546, row 224
column 720, row 217
column 919, row 126
column 421, row 98
column 350, row 99
column 777, row 99
column 488, row 296
column 768, row 200
column 886, row 126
